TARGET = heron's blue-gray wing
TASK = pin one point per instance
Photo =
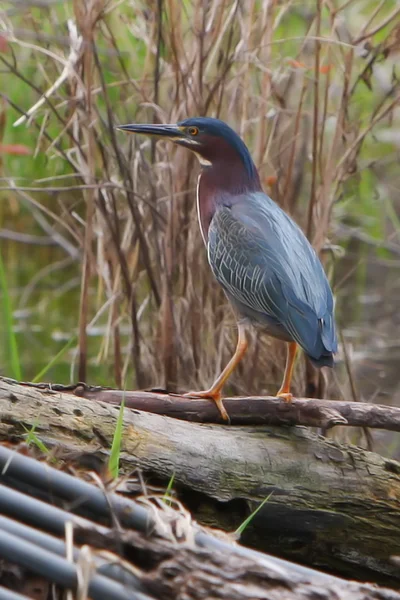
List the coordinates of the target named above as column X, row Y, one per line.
column 264, row 261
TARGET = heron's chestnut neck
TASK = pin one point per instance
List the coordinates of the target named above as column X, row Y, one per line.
column 226, row 174
column 228, row 166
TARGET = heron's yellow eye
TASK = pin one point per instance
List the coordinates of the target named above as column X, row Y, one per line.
column 193, row 130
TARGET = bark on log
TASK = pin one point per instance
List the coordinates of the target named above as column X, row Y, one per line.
column 255, row 411
column 260, row 410
column 332, row 506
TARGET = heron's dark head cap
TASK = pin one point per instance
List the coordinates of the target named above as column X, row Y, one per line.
column 210, row 139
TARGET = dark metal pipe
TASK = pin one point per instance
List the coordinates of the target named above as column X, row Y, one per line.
column 6, row 594
column 130, row 514
column 60, row 571
column 40, row 475
column 40, row 514
column 58, row 546
column 35, row 536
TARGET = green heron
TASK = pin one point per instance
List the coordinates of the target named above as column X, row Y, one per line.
column 261, row 258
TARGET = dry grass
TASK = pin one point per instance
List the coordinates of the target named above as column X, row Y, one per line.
column 293, row 78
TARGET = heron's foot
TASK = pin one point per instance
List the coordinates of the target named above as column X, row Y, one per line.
column 286, row 396
column 211, row 394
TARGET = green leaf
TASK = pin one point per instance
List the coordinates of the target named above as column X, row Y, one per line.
column 113, row 463
column 32, row 438
column 54, row 360
column 247, row 521
column 168, row 492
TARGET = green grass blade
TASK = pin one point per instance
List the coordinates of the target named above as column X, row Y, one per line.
column 32, row 438
column 168, row 492
column 113, row 463
column 9, row 325
column 53, row 361
column 247, row 521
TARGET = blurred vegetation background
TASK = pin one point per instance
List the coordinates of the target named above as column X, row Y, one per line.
column 103, row 274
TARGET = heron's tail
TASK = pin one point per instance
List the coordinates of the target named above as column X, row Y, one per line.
column 325, row 360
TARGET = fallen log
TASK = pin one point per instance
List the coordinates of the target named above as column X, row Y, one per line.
column 332, row 506
column 260, row 410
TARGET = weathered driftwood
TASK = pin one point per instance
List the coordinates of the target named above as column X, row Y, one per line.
column 260, row 410
column 332, row 506
column 255, row 411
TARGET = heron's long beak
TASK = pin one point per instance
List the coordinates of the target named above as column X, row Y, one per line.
column 172, row 132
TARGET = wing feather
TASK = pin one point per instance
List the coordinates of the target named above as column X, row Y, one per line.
column 264, row 261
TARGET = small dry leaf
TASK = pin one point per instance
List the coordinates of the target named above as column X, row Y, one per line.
column 3, row 43
column 297, row 64
column 325, row 69
column 17, row 149
column 271, row 180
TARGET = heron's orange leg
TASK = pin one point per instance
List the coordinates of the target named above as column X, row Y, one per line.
column 284, row 391
column 214, row 393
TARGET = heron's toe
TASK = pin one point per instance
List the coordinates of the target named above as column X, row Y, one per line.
column 214, row 395
column 286, row 396
column 208, row 394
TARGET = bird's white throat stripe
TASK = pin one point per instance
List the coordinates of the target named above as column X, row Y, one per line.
column 203, row 161
column 198, row 209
